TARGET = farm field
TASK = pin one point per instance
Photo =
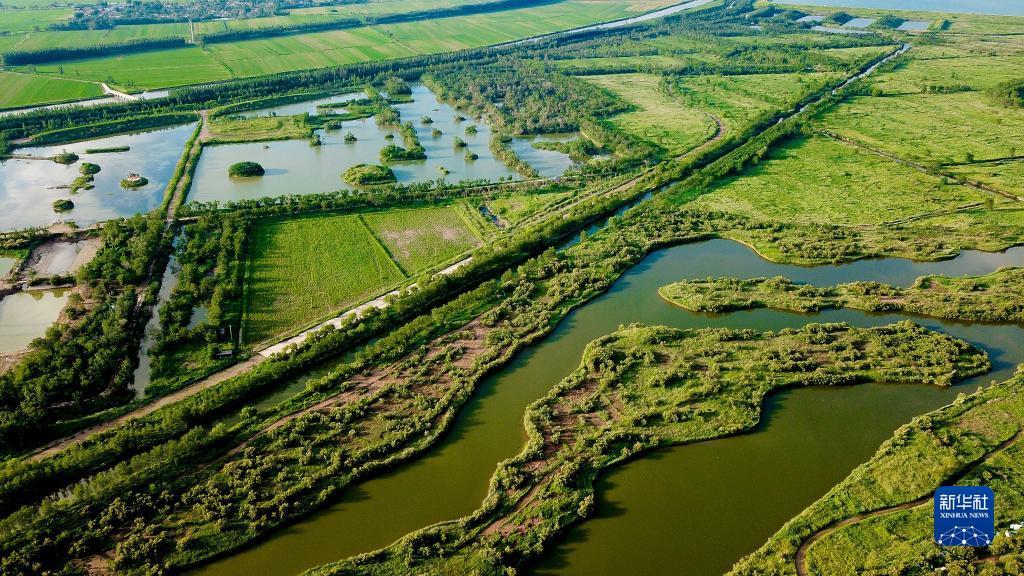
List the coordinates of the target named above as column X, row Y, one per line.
column 180, row 66
column 658, row 118
column 419, row 239
column 820, row 180
column 304, row 269
column 515, row 209
column 26, row 89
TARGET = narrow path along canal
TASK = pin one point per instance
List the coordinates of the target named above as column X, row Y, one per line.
column 739, row 489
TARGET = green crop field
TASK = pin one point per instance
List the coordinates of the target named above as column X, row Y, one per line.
column 819, row 180
column 419, row 239
column 978, row 72
column 931, row 128
column 304, row 269
column 514, row 209
column 192, row 65
column 24, row 90
column 658, row 118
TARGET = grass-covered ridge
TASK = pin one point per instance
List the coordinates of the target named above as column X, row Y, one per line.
column 993, row 297
column 645, row 387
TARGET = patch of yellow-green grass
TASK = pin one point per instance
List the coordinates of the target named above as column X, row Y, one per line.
column 258, row 129
column 420, row 239
column 820, row 180
column 26, row 89
column 739, row 100
column 977, row 72
column 658, row 117
column 302, row 270
column 931, row 128
column 515, row 209
column 1005, row 176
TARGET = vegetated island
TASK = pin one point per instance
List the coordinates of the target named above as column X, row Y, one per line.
column 993, row 297
column 647, row 387
column 368, row 174
column 246, row 170
column 62, row 205
column 107, row 150
column 134, row 180
column 65, row 158
column 888, row 499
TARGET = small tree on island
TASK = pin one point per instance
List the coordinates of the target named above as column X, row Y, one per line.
column 246, row 169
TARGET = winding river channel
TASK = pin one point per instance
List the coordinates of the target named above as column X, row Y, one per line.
column 697, row 508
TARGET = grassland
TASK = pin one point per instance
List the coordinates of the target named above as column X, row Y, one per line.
column 971, row 442
column 303, row 269
column 25, row 89
column 514, row 209
column 740, row 99
column 658, row 118
column 820, row 180
column 258, row 129
column 419, row 239
column 991, row 298
column 931, row 128
column 642, row 388
column 304, row 51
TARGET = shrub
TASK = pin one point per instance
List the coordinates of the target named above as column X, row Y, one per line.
column 62, row 205
column 246, row 169
column 365, row 174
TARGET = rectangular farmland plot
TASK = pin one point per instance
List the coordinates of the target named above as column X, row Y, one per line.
column 419, row 239
column 305, row 269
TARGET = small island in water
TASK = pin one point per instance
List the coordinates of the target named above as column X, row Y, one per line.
column 365, row 174
column 134, row 180
column 246, row 169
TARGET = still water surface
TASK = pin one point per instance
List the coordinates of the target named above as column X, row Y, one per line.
column 809, row 439
column 25, row 316
column 998, row 7
column 295, row 167
column 29, row 187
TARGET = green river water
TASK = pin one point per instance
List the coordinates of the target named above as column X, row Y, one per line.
column 693, row 509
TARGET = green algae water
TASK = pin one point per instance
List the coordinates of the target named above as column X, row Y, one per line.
column 808, row 440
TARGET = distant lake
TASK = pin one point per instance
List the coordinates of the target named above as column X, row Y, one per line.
column 1001, row 7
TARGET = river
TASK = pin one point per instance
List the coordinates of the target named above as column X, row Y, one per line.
column 643, row 524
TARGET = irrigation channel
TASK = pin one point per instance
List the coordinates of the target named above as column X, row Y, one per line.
column 696, row 508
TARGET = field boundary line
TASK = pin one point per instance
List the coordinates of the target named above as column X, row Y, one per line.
column 380, row 244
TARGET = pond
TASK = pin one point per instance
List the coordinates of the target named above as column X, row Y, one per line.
column 143, row 372
column 295, row 167
column 547, row 163
column 640, row 525
column 25, row 316
column 6, row 265
column 998, row 7
column 29, row 187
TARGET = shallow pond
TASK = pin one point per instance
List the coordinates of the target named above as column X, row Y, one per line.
column 999, row 7
column 547, row 163
column 168, row 282
column 6, row 265
column 295, row 167
column 29, row 187
column 641, row 525
column 25, row 316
